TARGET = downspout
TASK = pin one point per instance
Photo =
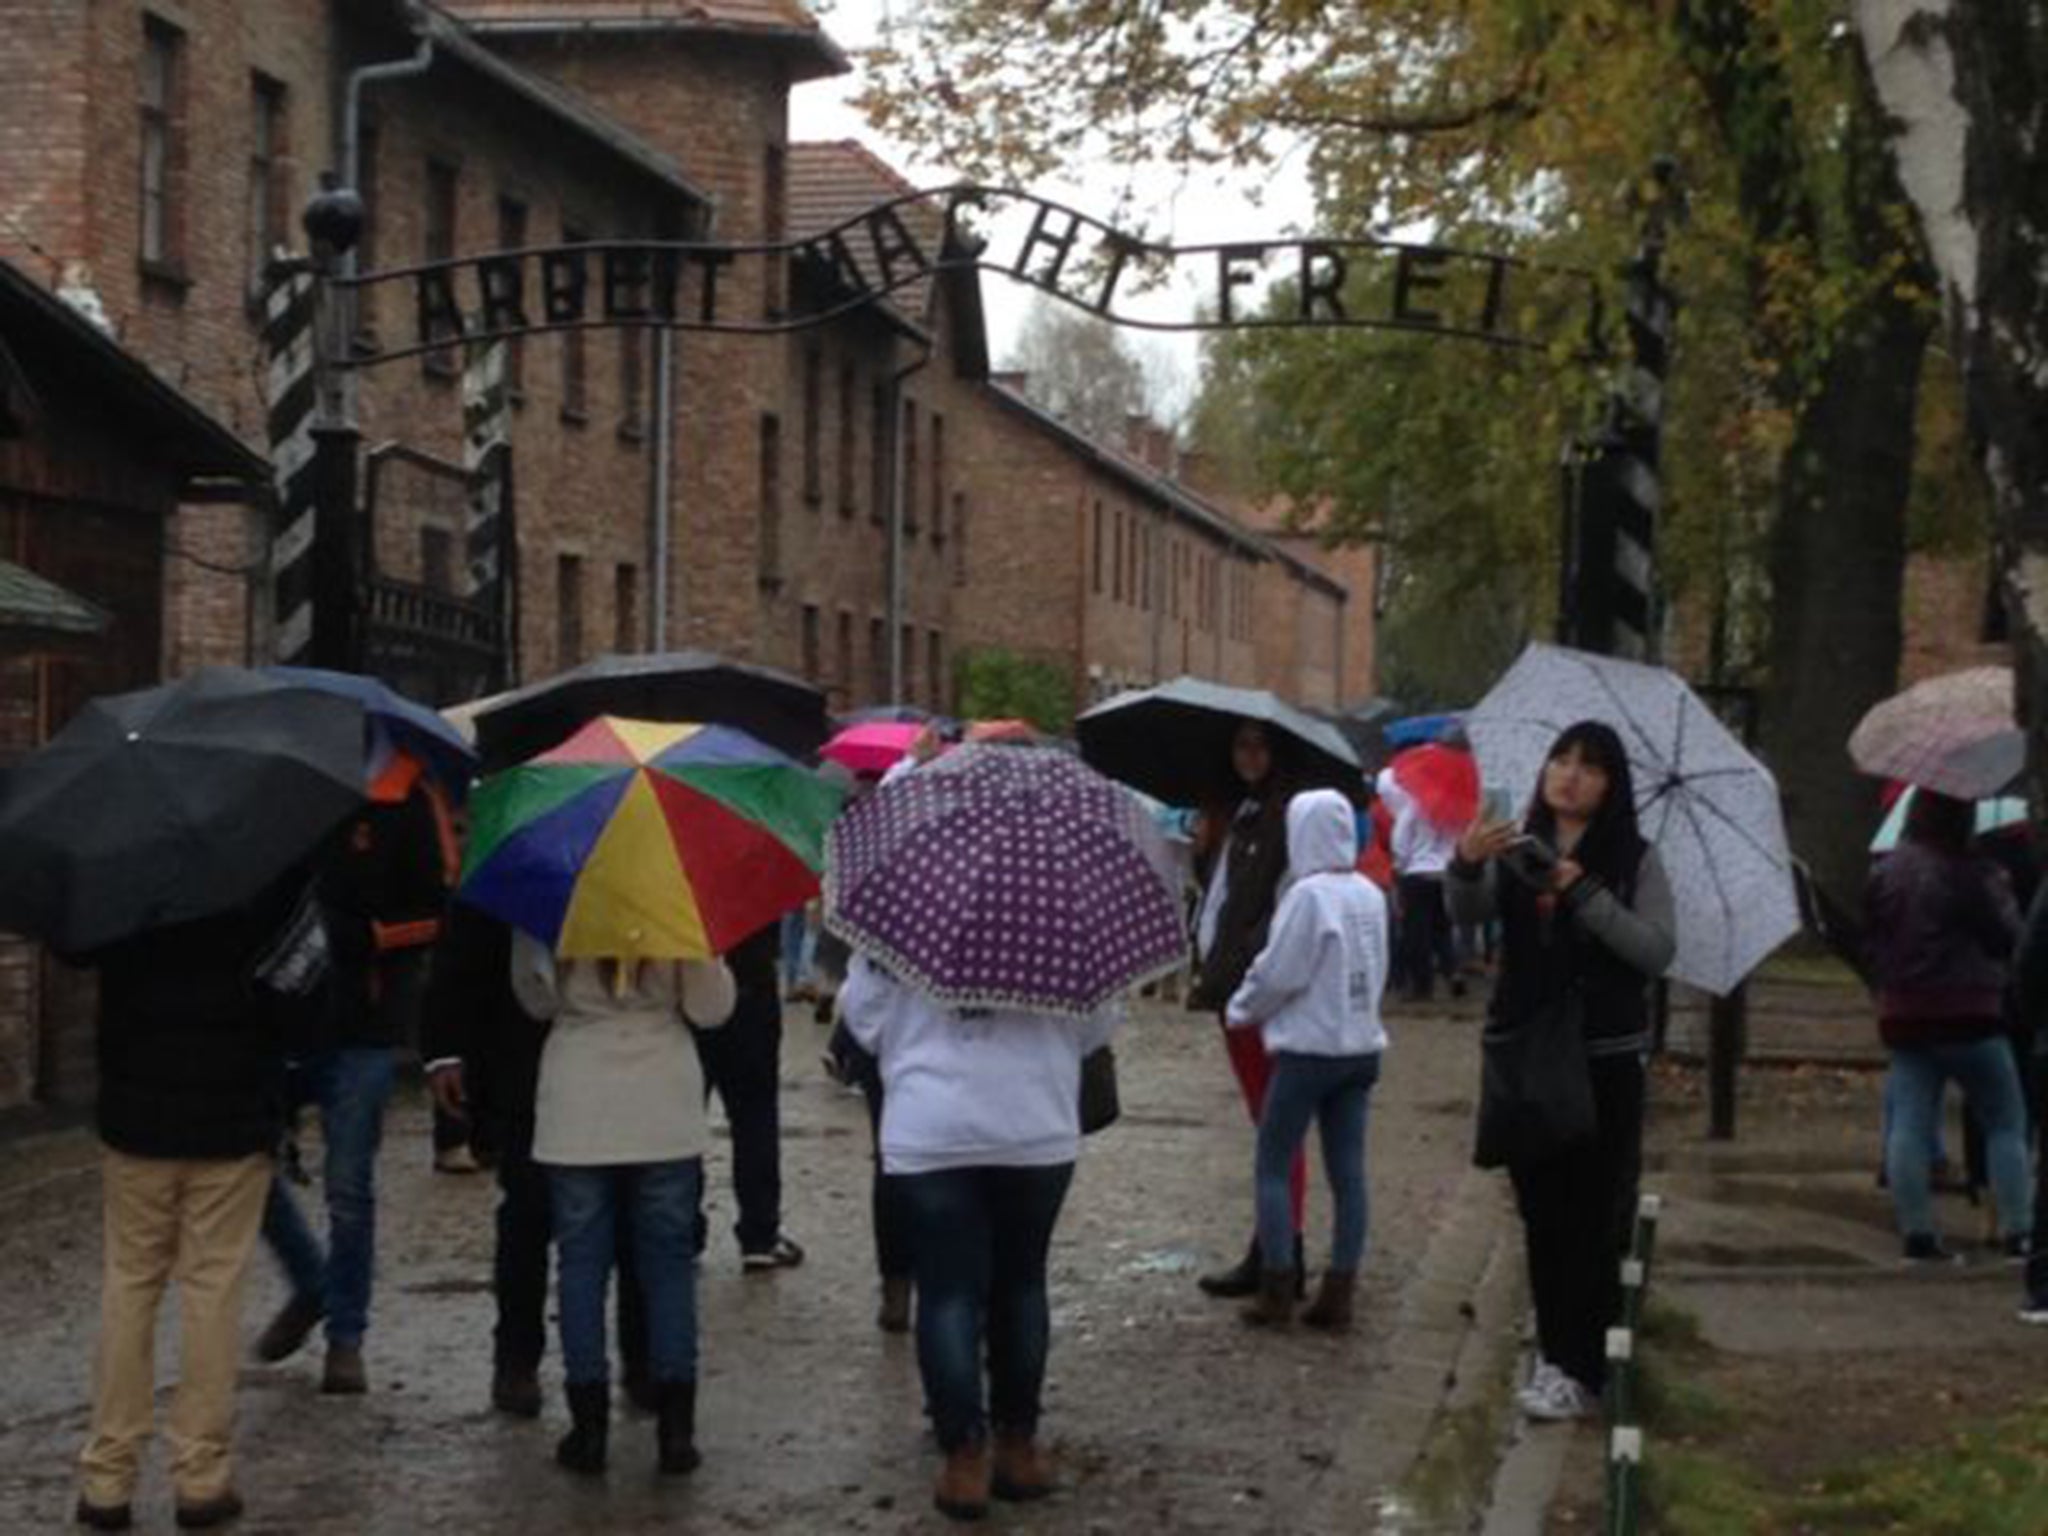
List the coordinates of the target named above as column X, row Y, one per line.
column 660, row 489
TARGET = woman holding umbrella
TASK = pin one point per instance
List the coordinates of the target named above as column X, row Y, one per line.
column 1586, row 922
column 999, row 902
column 1241, row 872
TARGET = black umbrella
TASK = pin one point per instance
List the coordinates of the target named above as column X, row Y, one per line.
column 173, row 803
column 671, row 685
column 1173, row 741
column 1365, row 738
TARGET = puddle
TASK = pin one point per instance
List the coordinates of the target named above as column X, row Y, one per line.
column 1764, row 1256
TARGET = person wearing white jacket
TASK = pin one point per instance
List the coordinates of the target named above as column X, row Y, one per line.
column 981, row 1124
column 620, row 1128
column 1314, row 991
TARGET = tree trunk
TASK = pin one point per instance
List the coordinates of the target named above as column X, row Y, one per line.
column 1838, row 563
column 1966, row 86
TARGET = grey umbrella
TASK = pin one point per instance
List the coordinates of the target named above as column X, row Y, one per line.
column 1173, row 741
column 1709, row 807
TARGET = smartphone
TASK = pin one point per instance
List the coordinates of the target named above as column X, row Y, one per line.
column 1496, row 804
column 1534, row 851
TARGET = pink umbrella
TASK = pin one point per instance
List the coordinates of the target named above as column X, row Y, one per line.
column 1954, row 734
column 875, row 747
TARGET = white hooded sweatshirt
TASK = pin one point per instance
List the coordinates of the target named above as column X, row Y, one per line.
column 1315, row 988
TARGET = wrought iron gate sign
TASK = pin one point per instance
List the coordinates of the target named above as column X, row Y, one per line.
column 1355, row 283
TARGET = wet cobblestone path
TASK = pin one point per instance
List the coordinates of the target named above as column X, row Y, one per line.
column 1163, row 1411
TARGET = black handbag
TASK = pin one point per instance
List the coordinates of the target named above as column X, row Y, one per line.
column 1535, row 1089
column 1099, row 1104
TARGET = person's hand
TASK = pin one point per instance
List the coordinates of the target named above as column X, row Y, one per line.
column 1565, row 874
column 925, row 746
column 445, row 1083
column 1487, row 840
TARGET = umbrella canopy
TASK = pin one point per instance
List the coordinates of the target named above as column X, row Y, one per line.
column 873, row 748
column 894, row 714
column 1173, row 741
column 638, row 839
column 1007, row 877
column 1709, row 807
column 173, row 803
column 1442, row 781
column 1417, row 729
column 1994, row 815
column 1954, row 734
column 676, row 686
column 396, row 723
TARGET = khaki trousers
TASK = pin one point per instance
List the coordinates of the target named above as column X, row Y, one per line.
column 193, row 1221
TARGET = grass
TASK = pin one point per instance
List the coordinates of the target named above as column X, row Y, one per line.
column 1987, row 1479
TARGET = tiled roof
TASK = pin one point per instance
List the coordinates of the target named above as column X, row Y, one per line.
column 31, row 602
column 831, row 181
column 783, row 20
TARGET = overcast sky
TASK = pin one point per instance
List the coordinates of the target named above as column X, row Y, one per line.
column 1174, row 209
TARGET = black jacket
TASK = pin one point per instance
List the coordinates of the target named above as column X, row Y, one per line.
column 191, row 1045
column 383, row 887
column 1257, row 852
column 470, row 1015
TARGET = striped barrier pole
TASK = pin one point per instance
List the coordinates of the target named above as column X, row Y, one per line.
column 290, row 310
column 1624, row 1480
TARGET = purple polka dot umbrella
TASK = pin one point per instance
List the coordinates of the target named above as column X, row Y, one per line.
column 1007, row 877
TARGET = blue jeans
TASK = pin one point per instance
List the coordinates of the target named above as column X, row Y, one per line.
column 350, row 1084
column 1991, row 1087
column 796, row 950
column 979, row 1238
column 1333, row 1092
column 659, row 1200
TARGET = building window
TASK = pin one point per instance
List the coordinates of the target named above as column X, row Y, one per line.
column 771, row 499
column 938, row 478
column 906, row 642
column 935, row 671
column 814, row 425
column 575, row 357
column 163, row 148
column 844, row 672
column 1116, row 585
column 269, row 189
column 959, row 538
column 774, row 201
column 878, row 455
column 632, row 382
column 626, row 607
column 910, row 480
column 1095, row 564
column 849, row 428
column 568, row 611
column 437, row 560
column 437, row 243
column 512, row 237
column 878, row 660
column 811, row 641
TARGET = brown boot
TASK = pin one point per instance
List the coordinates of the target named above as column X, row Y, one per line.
column 1022, row 1471
column 1331, row 1310
column 963, row 1487
column 1273, row 1307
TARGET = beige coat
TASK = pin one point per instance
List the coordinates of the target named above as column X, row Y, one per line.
column 619, row 1079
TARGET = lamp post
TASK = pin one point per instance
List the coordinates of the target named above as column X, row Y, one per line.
column 334, row 223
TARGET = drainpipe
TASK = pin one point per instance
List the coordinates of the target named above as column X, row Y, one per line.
column 664, row 452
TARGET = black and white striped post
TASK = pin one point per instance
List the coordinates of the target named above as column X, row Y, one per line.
column 1614, row 491
column 288, row 339
column 489, row 577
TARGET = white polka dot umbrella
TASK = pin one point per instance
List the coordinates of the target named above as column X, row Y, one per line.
column 1009, row 877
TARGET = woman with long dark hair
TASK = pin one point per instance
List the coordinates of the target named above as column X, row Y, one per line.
column 1241, row 859
column 1941, row 924
column 1586, row 924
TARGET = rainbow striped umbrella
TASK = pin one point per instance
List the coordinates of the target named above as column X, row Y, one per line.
column 644, row 840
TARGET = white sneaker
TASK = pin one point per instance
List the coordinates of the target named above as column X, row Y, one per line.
column 2035, row 1314
column 1561, row 1400
column 1538, row 1386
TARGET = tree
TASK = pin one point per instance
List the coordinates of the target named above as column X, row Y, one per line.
column 1966, row 88
column 1080, row 369
column 1518, row 125
column 1001, row 685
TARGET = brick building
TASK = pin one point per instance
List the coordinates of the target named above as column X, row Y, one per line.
column 96, row 454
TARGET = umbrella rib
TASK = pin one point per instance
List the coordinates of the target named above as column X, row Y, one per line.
column 1621, row 709
column 1713, row 873
column 1763, row 852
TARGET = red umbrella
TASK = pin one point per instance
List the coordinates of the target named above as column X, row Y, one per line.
column 1442, row 781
